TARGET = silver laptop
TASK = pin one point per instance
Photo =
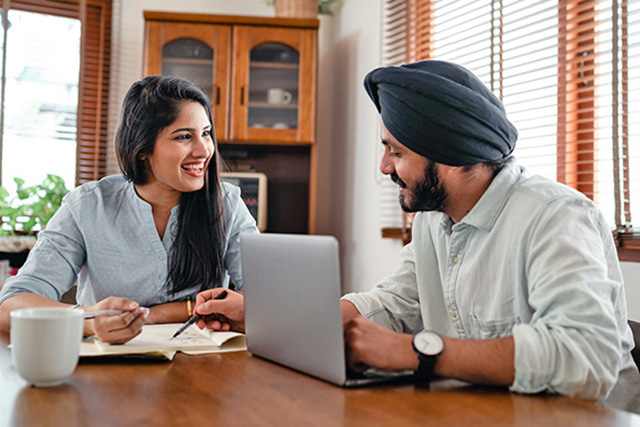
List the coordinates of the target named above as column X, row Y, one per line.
column 292, row 305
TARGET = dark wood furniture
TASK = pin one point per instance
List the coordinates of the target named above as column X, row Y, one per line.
column 635, row 353
column 239, row 389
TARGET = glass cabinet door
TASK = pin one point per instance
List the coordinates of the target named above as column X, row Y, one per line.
column 190, row 59
column 198, row 53
column 273, row 85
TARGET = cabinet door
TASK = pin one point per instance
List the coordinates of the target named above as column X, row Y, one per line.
column 273, row 85
column 198, row 53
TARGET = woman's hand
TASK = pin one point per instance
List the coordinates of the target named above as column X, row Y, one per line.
column 120, row 328
column 220, row 314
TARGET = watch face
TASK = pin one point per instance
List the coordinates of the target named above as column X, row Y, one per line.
column 428, row 343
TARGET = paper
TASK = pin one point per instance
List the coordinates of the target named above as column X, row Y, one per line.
column 156, row 340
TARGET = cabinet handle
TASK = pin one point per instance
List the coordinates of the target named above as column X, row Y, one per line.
column 217, row 95
column 242, row 95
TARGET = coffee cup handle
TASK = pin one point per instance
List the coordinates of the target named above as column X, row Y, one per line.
column 286, row 97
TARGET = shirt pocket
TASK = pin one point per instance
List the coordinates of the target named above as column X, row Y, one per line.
column 493, row 328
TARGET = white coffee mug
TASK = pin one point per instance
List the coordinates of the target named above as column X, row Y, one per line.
column 45, row 343
column 279, row 96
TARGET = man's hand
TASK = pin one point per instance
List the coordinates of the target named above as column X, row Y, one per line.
column 120, row 328
column 220, row 314
column 370, row 345
column 349, row 311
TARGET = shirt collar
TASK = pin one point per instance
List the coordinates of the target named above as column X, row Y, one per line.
column 486, row 211
column 145, row 206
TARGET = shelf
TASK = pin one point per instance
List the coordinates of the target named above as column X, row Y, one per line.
column 270, row 128
column 628, row 244
column 266, row 105
column 276, row 65
column 403, row 234
column 188, row 61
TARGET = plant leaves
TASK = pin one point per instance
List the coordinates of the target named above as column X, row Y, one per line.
column 32, row 206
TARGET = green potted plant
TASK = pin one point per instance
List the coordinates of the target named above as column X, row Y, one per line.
column 28, row 211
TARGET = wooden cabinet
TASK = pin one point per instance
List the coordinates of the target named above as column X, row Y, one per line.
column 273, row 84
column 199, row 53
column 260, row 74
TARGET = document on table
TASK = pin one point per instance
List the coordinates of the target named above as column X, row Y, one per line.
column 155, row 340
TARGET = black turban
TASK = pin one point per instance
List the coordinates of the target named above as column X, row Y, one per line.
column 442, row 111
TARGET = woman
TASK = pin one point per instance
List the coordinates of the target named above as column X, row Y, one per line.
column 155, row 236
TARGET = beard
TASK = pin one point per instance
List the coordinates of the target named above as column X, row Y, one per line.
column 427, row 195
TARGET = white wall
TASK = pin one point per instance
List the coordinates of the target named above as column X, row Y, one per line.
column 348, row 137
column 349, row 47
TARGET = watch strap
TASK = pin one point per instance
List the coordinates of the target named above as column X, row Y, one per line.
column 426, row 366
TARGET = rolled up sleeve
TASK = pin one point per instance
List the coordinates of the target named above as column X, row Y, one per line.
column 394, row 301
column 573, row 343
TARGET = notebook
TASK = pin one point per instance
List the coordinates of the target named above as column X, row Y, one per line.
column 292, row 305
column 155, row 340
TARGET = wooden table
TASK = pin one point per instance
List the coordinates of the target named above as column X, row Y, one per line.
column 237, row 389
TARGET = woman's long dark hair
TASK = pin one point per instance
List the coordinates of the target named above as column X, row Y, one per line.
column 152, row 104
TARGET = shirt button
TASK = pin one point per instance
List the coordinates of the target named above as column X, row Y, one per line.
column 454, row 314
column 454, row 259
column 162, row 277
column 161, row 257
column 163, row 299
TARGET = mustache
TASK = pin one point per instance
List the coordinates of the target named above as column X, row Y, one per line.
column 395, row 178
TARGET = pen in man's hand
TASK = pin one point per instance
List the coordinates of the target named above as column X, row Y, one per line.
column 195, row 317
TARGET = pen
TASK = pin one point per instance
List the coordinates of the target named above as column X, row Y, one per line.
column 95, row 313
column 195, row 317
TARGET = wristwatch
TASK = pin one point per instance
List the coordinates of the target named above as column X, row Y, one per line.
column 429, row 345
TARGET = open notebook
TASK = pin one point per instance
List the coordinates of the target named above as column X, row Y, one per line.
column 155, row 340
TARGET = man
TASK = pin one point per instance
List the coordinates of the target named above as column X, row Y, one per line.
column 510, row 279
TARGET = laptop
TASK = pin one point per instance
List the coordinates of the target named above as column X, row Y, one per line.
column 292, row 306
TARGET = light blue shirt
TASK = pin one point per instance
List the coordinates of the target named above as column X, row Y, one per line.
column 534, row 260
column 104, row 236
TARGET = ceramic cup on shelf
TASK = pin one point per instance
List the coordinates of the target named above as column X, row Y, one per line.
column 279, row 96
column 280, row 125
column 45, row 343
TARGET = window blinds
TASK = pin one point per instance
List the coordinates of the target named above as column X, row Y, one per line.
column 568, row 72
column 395, row 50
column 94, row 91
